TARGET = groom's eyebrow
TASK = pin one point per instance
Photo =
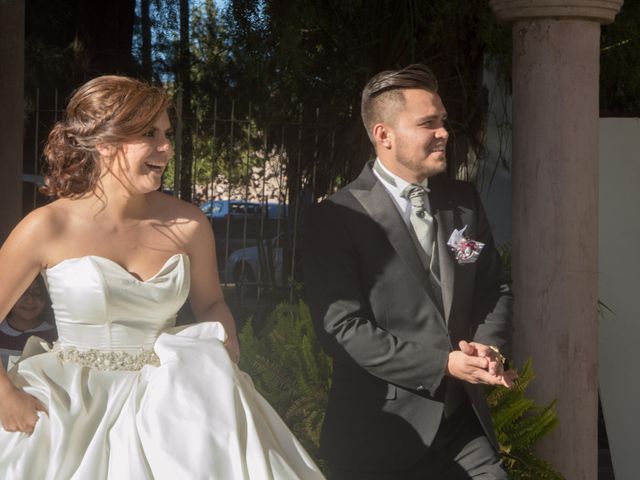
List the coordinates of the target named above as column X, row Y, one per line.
column 437, row 116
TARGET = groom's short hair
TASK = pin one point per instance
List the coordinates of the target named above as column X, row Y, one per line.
column 383, row 92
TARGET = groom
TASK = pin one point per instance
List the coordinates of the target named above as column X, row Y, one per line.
column 408, row 296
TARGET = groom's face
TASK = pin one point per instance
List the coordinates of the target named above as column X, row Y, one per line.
column 418, row 136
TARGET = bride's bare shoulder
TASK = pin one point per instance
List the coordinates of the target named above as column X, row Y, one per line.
column 46, row 221
column 175, row 209
column 37, row 232
column 186, row 221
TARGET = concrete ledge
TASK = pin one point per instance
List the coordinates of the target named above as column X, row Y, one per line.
column 602, row 11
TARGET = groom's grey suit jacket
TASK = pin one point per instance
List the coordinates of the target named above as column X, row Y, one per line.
column 388, row 330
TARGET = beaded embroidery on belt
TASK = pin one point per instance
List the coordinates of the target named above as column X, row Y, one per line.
column 106, row 360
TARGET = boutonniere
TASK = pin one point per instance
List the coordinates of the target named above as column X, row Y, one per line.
column 465, row 250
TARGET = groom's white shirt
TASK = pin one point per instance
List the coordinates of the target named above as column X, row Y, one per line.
column 403, row 205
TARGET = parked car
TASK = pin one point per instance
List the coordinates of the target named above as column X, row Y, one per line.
column 221, row 208
column 240, row 224
column 259, row 265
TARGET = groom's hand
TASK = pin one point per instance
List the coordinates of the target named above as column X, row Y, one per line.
column 495, row 366
column 472, row 363
column 470, row 368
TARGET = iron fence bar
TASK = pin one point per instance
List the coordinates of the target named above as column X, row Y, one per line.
column 194, row 158
column 296, row 201
column 228, row 219
column 245, row 201
column 281, row 163
column 36, row 150
column 177, row 157
column 55, row 105
column 264, row 265
column 247, row 165
column 213, row 142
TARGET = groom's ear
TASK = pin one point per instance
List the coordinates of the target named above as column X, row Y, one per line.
column 382, row 135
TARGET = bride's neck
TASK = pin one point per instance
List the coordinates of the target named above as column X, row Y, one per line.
column 112, row 201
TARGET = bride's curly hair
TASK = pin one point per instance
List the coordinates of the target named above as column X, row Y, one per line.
column 108, row 110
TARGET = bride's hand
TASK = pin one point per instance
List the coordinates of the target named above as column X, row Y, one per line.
column 19, row 410
column 233, row 348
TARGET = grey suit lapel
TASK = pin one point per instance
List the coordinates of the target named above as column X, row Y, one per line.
column 443, row 214
column 384, row 212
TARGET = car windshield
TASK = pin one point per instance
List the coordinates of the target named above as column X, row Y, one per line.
column 240, row 208
column 212, row 206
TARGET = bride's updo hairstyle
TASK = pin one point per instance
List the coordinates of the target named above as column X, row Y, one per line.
column 108, row 110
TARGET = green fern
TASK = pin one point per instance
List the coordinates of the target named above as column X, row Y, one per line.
column 519, row 423
column 290, row 370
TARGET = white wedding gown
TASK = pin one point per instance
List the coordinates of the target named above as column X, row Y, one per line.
column 130, row 397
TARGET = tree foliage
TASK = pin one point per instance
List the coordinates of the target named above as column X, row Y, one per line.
column 320, row 55
column 66, row 42
column 301, row 62
column 620, row 63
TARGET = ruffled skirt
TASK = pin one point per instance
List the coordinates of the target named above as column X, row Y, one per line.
column 194, row 416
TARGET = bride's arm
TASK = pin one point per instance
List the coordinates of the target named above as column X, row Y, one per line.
column 207, row 299
column 22, row 257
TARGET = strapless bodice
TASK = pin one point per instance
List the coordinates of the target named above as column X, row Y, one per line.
column 100, row 305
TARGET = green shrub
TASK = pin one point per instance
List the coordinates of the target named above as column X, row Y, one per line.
column 289, row 370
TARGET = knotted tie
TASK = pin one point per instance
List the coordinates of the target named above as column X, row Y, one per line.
column 421, row 220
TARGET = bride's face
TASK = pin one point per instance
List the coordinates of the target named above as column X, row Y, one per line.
column 140, row 163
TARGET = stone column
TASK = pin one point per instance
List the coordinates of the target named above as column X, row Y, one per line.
column 556, row 48
column 12, row 112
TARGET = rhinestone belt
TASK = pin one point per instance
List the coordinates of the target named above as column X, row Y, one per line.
column 106, row 360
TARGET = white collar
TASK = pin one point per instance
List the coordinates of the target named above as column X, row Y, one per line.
column 394, row 182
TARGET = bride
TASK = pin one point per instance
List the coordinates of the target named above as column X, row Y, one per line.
column 124, row 394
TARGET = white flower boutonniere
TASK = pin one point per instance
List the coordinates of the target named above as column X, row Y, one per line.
column 465, row 250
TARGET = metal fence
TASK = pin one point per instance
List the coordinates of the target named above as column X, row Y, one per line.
column 253, row 182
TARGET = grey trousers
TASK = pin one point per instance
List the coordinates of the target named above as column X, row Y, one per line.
column 460, row 451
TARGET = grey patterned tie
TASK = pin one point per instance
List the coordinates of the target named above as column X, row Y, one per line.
column 421, row 220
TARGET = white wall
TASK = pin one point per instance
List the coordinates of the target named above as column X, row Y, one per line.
column 619, row 289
